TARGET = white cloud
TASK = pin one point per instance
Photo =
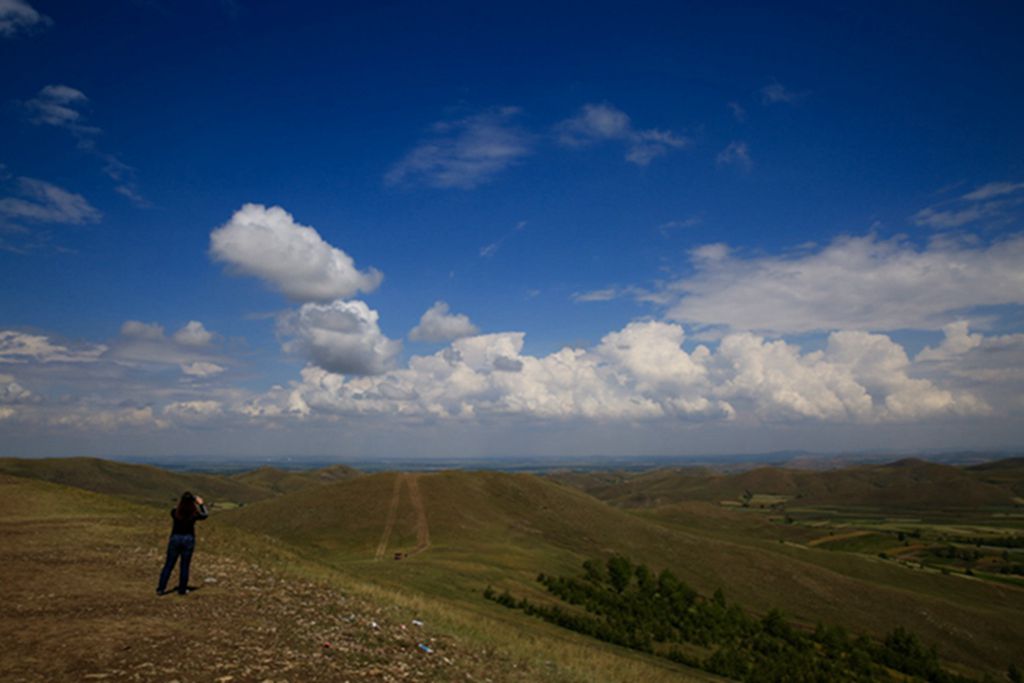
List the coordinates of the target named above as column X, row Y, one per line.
column 736, row 153
column 43, row 202
column 641, row 372
column 267, row 243
column 993, row 190
column 853, row 283
column 342, row 337
column 437, row 325
column 776, row 93
column 993, row 202
column 606, row 294
column 193, row 334
column 957, row 341
column 141, row 330
column 603, row 122
column 466, row 152
column 738, row 112
column 12, row 392
column 58, row 105
column 193, row 411
column 144, row 345
column 17, row 347
column 201, row 369
column 108, row 420
column 17, row 16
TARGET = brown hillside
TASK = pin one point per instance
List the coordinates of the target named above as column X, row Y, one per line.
column 138, row 483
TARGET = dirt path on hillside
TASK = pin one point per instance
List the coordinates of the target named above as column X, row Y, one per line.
column 389, row 523
column 412, row 484
column 422, row 528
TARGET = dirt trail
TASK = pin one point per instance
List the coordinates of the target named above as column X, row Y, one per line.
column 389, row 524
column 422, row 529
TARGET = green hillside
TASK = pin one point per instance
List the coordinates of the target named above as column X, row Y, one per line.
column 488, row 528
column 77, row 603
column 285, row 481
column 138, row 483
column 905, row 484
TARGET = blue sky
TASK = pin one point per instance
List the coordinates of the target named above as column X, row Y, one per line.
column 352, row 229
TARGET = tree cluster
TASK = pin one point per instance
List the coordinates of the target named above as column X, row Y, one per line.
column 627, row 604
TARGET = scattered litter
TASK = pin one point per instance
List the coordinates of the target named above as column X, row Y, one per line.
column 327, row 644
column 374, row 625
column 209, row 579
column 426, row 648
column 417, row 622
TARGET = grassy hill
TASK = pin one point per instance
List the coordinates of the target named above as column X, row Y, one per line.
column 905, row 484
column 489, row 528
column 285, row 481
column 138, row 483
column 77, row 603
column 458, row 532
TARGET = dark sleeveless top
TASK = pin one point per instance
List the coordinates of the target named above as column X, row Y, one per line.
column 187, row 527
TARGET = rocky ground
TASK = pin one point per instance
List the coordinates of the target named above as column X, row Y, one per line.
column 77, row 602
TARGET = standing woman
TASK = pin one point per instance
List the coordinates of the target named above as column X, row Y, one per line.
column 183, row 540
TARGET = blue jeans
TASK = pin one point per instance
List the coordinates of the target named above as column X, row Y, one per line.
column 179, row 545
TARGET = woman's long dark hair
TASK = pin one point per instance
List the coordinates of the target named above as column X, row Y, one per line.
column 186, row 507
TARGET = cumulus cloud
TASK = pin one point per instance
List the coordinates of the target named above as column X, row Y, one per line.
column 193, row 411
column 602, row 122
column 268, row 244
column 193, row 334
column 437, row 325
column 42, row 202
column 958, row 340
column 737, row 154
column 17, row 16
column 978, row 359
column 146, row 344
column 141, row 330
column 642, row 372
column 991, row 203
column 465, row 153
column 12, row 392
column 341, row 337
column 853, row 283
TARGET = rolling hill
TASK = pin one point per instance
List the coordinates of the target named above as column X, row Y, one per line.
column 285, row 481
column 138, row 483
column 905, row 484
column 490, row 528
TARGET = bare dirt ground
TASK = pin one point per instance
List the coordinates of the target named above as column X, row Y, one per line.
column 78, row 603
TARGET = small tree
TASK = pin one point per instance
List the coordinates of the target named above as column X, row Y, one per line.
column 620, row 570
